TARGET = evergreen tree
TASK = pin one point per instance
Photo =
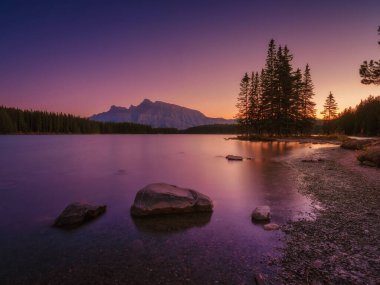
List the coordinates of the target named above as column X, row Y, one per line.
column 330, row 108
column 370, row 71
column 269, row 87
column 296, row 101
column 285, row 89
column 242, row 116
column 254, row 103
column 329, row 112
column 308, row 106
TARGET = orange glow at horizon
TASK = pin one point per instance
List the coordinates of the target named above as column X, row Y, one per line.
column 82, row 63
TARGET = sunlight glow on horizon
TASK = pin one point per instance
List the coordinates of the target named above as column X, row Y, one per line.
column 89, row 57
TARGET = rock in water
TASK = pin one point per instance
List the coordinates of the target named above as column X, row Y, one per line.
column 261, row 213
column 162, row 198
column 271, row 227
column 76, row 214
column 234, row 157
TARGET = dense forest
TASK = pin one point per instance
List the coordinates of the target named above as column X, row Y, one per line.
column 279, row 99
column 363, row 120
column 13, row 121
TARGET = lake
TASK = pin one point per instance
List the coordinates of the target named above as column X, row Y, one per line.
column 41, row 175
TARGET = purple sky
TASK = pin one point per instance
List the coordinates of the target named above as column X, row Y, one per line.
column 81, row 57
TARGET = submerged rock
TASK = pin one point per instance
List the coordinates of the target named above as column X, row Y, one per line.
column 261, row 213
column 271, row 227
column 162, row 198
column 234, row 157
column 76, row 214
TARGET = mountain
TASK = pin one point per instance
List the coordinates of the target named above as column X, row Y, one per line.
column 159, row 115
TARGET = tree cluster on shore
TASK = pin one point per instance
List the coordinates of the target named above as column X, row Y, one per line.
column 279, row 99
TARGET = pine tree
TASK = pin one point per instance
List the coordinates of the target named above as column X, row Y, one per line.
column 254, row 109
column 308, row 106
column 329, row 112
column 242, row 116
column 269, row 87
column 296, row 102
column 285, row 86
column 370, row 71
column 330, row 108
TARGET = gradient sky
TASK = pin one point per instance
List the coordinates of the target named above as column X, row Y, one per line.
column 81, row 57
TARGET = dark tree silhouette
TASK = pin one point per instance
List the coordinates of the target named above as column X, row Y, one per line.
column 242, row 105
column 330, row 108
column 370, row 70
column 279, row 100
column 254, row 108
column 330, row 111
column 364, row 119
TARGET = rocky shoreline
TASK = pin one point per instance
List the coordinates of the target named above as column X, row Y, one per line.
column 341, row 246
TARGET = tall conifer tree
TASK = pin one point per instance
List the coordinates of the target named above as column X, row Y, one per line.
column 269, row 86
column 243, row 105
column 254, row 103
column 330, row 108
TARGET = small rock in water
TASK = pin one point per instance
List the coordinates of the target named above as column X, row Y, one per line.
column 76, row 214
column 261, row 213
column 271, row 227
column 234, row 157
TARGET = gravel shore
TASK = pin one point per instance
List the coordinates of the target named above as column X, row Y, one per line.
column 342, row 244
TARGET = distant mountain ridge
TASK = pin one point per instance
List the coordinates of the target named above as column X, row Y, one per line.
column 158, row 115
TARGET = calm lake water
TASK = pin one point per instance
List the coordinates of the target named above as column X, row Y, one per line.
column 40, row 175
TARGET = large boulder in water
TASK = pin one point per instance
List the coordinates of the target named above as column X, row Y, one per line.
column 76, row 214
column 162, row 198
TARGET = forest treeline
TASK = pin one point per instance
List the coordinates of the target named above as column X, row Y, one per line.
column 13, row 121
column 278, row 100
column 16, row 121
column 363, row 120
